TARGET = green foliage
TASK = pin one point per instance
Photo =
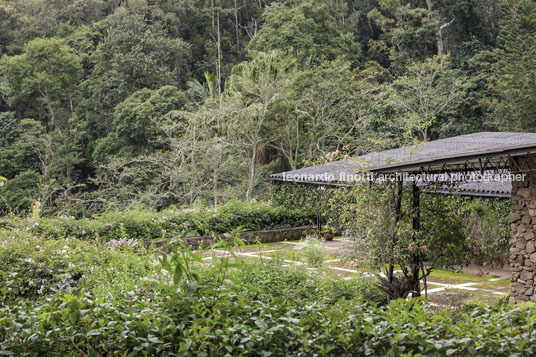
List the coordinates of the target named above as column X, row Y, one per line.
column 48, row 70
column 487, row 227
column 33, row 267
column 272, row 281
column 453, row 231
column 70, row 296
column 305, row 28
column 472, row 230
column 136, row 121
column 426, row 90
column 147, row 225
column 16, row 140
column 135, row 55
column 159, row 103
column 70, row 325
column 314, row 252
column 515, row 70
column 20, row 192
column 289, row 194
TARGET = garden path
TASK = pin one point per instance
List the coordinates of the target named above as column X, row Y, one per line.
column 444, row 288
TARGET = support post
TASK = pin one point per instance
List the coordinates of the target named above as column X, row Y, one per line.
column 319, row 212
column 416, row 228
column 398, row 217
column 523, row 232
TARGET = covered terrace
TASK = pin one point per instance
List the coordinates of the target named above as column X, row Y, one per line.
column 485, row 154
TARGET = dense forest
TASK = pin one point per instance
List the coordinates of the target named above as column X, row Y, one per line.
column 122, row 103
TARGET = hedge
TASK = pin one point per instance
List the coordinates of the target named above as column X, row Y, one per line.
column 71, row 325
column 147, row 225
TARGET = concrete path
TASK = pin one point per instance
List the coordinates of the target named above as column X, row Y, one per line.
column 434, row 286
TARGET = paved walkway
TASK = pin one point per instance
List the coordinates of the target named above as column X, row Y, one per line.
column 435, row 286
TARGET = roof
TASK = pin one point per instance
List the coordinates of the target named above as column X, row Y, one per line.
column 452, row 150
column 479, row 151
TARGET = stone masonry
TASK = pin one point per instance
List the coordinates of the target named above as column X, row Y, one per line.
column 251, row 237
column 523, row 237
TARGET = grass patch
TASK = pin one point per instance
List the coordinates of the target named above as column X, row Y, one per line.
column 499, row 285
column 252, row 248
column 294, row 255
column 448, row 277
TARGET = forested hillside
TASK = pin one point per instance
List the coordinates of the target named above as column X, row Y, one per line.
column 154, row 103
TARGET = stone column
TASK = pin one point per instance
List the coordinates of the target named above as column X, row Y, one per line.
column 523, row 238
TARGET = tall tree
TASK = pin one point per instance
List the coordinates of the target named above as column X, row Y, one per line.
column 48, row 70
column 133, row 55
column 307, row 31
column 252, row 89
column 424, row 92
column 516, row 69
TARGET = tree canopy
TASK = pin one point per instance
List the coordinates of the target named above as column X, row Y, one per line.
column 155, row 103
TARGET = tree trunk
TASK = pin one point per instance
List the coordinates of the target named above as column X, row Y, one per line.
column 218, row 64
column 236, row 25
column 50, row 110
column 251, row 177
column 213, row 21
column 439, row 36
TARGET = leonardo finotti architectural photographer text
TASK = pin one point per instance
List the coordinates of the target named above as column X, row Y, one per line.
column 347, row 177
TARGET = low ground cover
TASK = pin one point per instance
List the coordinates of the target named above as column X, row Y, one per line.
column 70, row 296
column 498, row 285
column 445, row 276
column 80, row 325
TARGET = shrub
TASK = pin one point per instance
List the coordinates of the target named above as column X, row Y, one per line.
column 72, row 326
column 361, row 288
column 19, row 192
column 147, row 225
column 126, row 305
column 314, row 252
column 271, row 281
column 33, row 267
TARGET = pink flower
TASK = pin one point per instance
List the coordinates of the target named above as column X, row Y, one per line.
column 424, row 248
column 410, row 247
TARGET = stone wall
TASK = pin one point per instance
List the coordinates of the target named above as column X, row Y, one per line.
column 523, row 238
column 265, row 236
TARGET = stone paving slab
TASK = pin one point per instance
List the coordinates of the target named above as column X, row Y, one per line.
column 442, row 285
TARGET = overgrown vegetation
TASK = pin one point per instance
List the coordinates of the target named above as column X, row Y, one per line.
column 128, row 121
column 69, row 325
column 147, row 225
column 155, row 103
column 479, row 226
column 71, row 296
